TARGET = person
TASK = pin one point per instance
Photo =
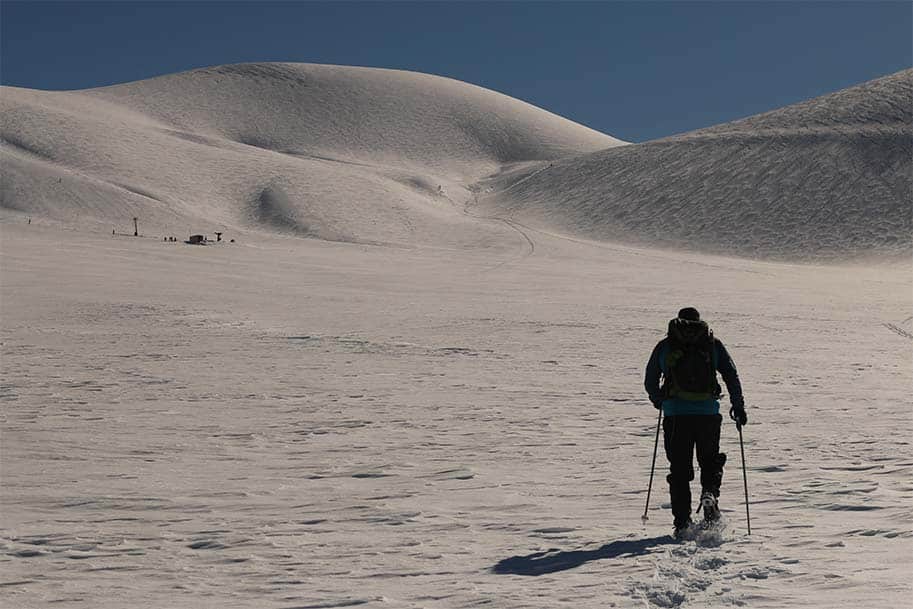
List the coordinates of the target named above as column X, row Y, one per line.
column 686, row 362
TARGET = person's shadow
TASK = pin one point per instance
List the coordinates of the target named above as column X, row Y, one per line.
column 541, row 563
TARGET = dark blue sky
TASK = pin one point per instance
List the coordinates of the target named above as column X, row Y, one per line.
column 633, row 70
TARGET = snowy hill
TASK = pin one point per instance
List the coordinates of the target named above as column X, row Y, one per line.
column 340, row 153
column 827, row 178
column 372, row 155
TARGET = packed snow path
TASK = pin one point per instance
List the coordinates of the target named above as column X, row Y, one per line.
column 294, row 423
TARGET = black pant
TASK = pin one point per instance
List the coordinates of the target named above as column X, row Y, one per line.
column 681, row 434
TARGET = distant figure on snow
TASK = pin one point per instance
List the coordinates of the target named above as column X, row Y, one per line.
column 687, row 361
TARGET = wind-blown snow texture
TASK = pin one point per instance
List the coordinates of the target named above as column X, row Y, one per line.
column 369, row 155
column 828, row 178
column 340, row 153
column 296, row 423
column 340, row 421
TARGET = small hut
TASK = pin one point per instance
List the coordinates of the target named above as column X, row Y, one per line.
column 196, row 240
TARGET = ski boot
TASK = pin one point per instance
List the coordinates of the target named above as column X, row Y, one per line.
column 710, row 506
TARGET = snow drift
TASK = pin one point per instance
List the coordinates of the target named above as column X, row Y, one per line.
column 827, row 178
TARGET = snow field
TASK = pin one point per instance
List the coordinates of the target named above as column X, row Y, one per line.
column 288, row 423
column 413, row 381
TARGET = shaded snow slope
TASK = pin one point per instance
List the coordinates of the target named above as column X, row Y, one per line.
column 827, row 178
column 335, row 152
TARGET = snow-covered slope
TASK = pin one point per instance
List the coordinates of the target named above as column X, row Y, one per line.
column 827, row 178
column 336, row 152
column 371, row 155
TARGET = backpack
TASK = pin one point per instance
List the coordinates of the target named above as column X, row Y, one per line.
column 690, row 372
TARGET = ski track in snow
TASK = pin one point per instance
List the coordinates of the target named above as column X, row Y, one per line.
column 515, row 226
column 290, row 423
column 898, row 330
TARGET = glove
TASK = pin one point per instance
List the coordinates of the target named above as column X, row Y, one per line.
column 737, row 414
column 657, row 402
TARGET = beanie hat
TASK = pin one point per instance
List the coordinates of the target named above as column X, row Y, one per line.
column 689, row 313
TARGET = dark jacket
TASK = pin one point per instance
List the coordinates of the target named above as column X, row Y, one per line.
column 677, row 406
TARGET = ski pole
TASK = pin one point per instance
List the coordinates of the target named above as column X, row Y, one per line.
column 744, row 478
column 644, row 518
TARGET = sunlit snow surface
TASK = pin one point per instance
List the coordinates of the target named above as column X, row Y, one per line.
column 292, row 423
column 334, row 152
column 412, row 381
column 385, row 156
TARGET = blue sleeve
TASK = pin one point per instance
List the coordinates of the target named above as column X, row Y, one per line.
column 727, row 370
column 652, row 375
